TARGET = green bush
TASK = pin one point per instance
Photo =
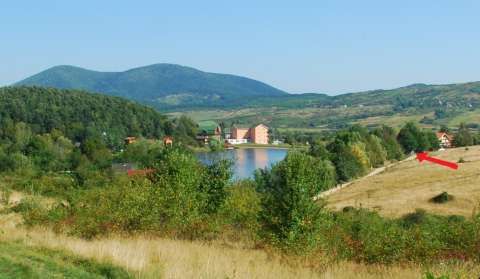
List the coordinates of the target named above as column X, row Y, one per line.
column 290, row 217
column 32, row 211
column 419, row 237
column 180, row 198
column 242, row 207
column 442, row 198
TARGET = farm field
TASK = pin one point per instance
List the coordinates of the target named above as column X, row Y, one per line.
column 410, row 185
column 318, row 120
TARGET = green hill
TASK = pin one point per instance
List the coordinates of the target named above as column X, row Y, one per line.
column 161, row 85
column 208, row 96
column 78, row 114
column 431, row 105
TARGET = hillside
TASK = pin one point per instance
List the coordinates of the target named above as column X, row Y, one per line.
column 77, row 114
column 227, row 98
column 431, row 105
column 160, row 85
column 410, row 185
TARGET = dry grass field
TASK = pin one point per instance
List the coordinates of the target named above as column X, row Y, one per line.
column 150, row 257
column 146, row 257
column 410, row 185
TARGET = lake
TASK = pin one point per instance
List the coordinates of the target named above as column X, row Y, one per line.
column 246, row 160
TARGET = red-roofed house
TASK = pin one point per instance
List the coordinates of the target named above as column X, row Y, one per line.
column 446, row 140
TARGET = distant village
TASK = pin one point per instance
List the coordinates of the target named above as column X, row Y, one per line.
column 256, row 134
column 236, row 134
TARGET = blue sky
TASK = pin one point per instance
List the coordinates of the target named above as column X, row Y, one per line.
column 299, row 46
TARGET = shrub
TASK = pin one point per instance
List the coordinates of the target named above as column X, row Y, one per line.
column 463, row 136
column 290, row 217
column 5, row 194
column 362, row 235
column 416, row 218
column 242, row 207
column 32, row 211
column 216, row 179
column 180, row 198
column 442, row 198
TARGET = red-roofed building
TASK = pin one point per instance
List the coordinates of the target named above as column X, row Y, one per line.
column 143, row 172
column 445, row 140
column 167, row 140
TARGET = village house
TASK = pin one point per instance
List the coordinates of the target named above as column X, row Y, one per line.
column 257, row 134
column 130, row 140
column 208, row 130
column 445, row 140
column 167, row 140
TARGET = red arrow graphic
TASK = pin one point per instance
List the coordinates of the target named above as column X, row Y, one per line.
column 421, row 156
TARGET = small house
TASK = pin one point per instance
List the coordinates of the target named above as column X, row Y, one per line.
column 227, row 133
column 167, row 140
column 208, row 130
column 445, row 140
column 130, row 140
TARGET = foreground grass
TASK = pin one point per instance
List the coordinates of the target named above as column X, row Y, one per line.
column 410, row 185
column 20, row 261
column 148, row 257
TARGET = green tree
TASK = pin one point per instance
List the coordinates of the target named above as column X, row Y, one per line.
column 214, row 185
column 178, row 177
column 433, row 142
column 389, row 141
column 349, row 155
column 463, row 136
column 290, row 216
column 318, row 150
column 375, row 150
column 411, row 138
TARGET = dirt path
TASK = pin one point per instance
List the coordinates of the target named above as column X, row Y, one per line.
column 372, row 173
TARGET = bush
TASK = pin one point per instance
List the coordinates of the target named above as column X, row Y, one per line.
column 419, row 237
column 180, row 198
column 442, row 198
column 216, row 180
column 32, row 211
column 242, row 207
column 463, row 136
column 290, row 217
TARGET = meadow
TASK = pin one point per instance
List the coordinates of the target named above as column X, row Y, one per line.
column 409, row 185
column 144, row 256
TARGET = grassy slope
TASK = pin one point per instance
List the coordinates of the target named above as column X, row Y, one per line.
column 150, row 257
column 409, row 185
column 20, row 261
column 147, row 257
column 372, row 108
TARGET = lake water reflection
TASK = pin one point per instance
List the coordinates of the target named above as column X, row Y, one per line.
column 247, row 160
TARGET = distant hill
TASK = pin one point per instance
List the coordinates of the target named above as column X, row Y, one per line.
column 431, row 105
column 174, row 88
column 160, row 85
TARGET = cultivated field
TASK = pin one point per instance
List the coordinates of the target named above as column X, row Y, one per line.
column 409, row 185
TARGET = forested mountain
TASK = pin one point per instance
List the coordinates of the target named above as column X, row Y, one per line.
column 78, row 114
column 227, row 98
column 174, row 87
column 160, row 85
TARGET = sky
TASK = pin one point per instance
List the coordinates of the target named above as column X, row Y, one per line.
column 321, row 46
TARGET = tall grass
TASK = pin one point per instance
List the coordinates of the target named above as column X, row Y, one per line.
column 147, row 257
